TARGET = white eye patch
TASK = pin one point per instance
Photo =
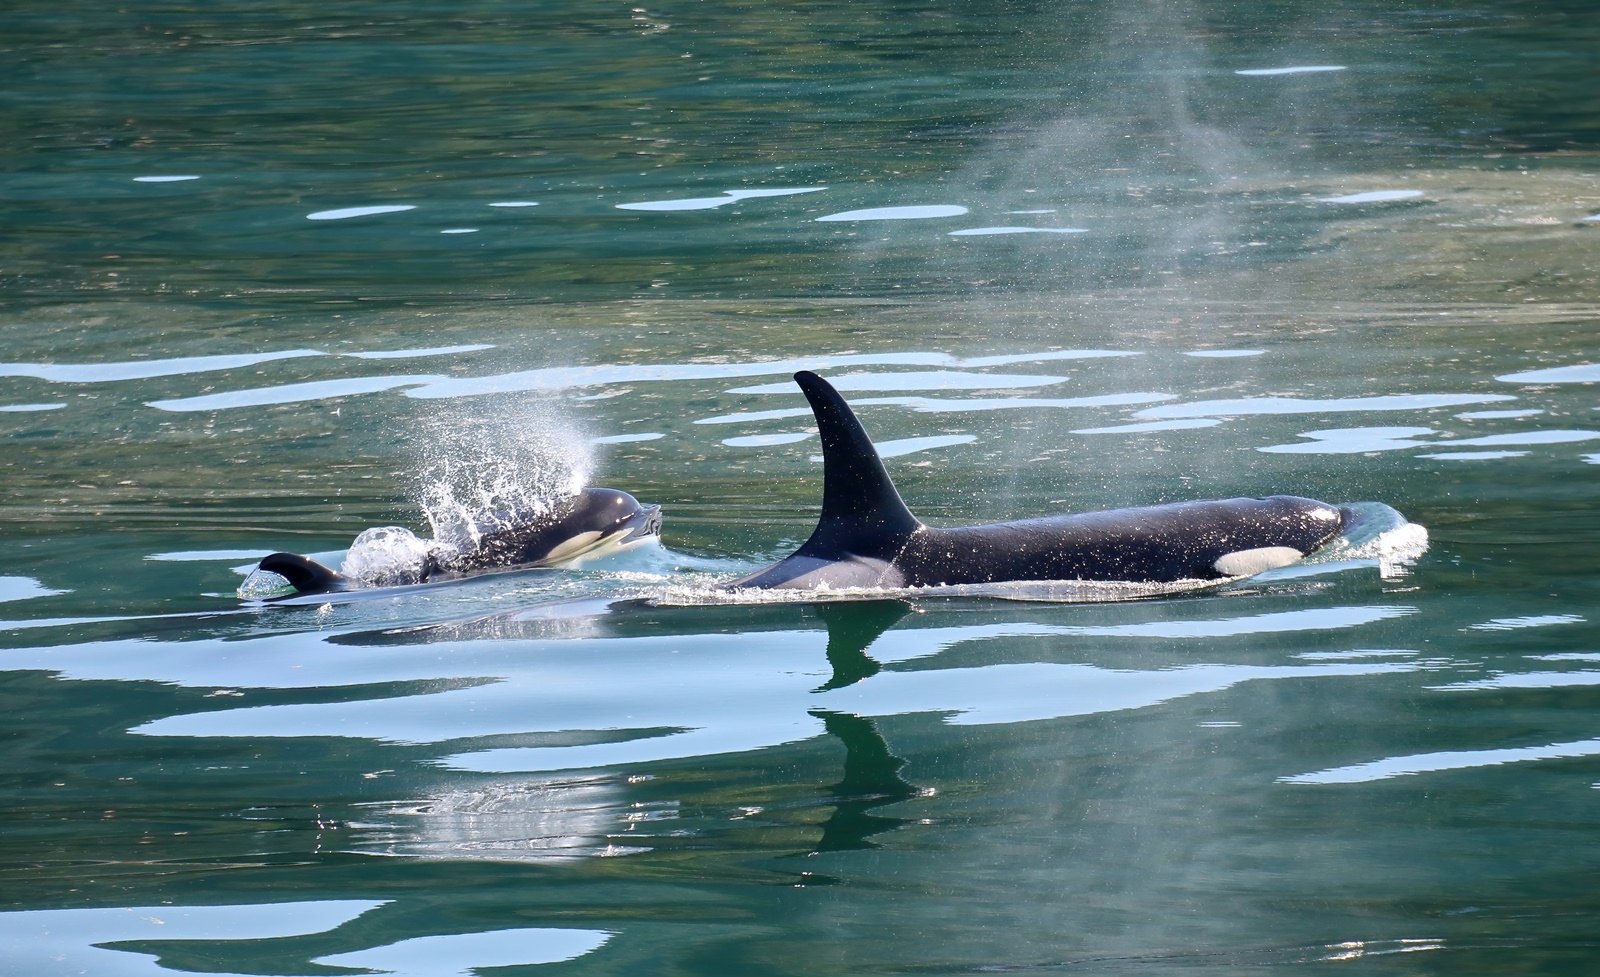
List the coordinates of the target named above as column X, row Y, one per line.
column 1245, row 563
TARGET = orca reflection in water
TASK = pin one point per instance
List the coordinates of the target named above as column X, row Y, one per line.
column 591, row 522
column 867, row 538
column 871, row 776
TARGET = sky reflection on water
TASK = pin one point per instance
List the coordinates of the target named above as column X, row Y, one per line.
column 145, row 369
column 1001, row 231
column 1410, row 766
column 461, row 954
column 1373, row 197
column 1298, row 70
column 908, row 212
column 372, row 210
column 711, row 203
column 712, row 697
column 63, row 941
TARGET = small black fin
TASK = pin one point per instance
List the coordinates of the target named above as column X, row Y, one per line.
column 862, row 513
column 306, row 576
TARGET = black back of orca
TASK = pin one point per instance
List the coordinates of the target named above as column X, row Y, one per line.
column 867, row 537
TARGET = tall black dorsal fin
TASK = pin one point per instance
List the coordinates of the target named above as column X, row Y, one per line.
column 862, row 513
column 306, row 576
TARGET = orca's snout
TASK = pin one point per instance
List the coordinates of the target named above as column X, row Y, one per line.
column 646, row 524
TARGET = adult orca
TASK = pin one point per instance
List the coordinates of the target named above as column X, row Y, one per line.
column 592, row 521
column 867, row 538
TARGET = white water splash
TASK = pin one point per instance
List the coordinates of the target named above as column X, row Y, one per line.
column 696, row 593
column 475, row 467
column 474, row 472
column 386, row 556
column 262, row 584
column 1379, row 534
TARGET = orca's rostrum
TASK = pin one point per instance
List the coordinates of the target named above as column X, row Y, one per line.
column 867, row 538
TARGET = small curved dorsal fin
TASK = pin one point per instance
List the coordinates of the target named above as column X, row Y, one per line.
column 862, row 513
column 306, row 576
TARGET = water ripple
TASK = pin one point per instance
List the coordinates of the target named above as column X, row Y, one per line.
column 922, row 212
column 1406, row 766
column 1533, row 621
column 1530, row 437
column 1294, row 70
column 1354, row 440
column 25, row 588
column 935, row 405
column 1473, row 455
column 402, row 354
column 83, row 941
column 1245, row 406
column 345, row 213
column 1373, row 197
column 1582, row 373
column 562, row 377
column 292, row 393
column 1030, row 692
column 710, row 696
column 930, row 405
column 1315, row 619
column 994, row 231
column 1483, row 415
column 763, row 440
column 1150, row 426
column 935, row 380
column 907, row 446
column 710, row 203
column 145, row 369
column 461, row 954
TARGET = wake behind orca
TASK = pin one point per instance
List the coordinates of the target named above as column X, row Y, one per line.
column 867, row 538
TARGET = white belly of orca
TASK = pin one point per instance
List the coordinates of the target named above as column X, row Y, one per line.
column 594, row 546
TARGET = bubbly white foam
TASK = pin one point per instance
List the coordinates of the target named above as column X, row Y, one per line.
column 261, row 584
column 386, row 556
column 691, row 594
column 1379, row 533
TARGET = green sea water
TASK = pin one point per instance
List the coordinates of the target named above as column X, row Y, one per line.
column 274, row 273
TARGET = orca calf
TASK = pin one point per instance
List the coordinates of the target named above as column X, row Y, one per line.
column 867, row 538
column 592, row 521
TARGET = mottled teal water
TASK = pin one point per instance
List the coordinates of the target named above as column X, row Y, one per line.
column 265, row 267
